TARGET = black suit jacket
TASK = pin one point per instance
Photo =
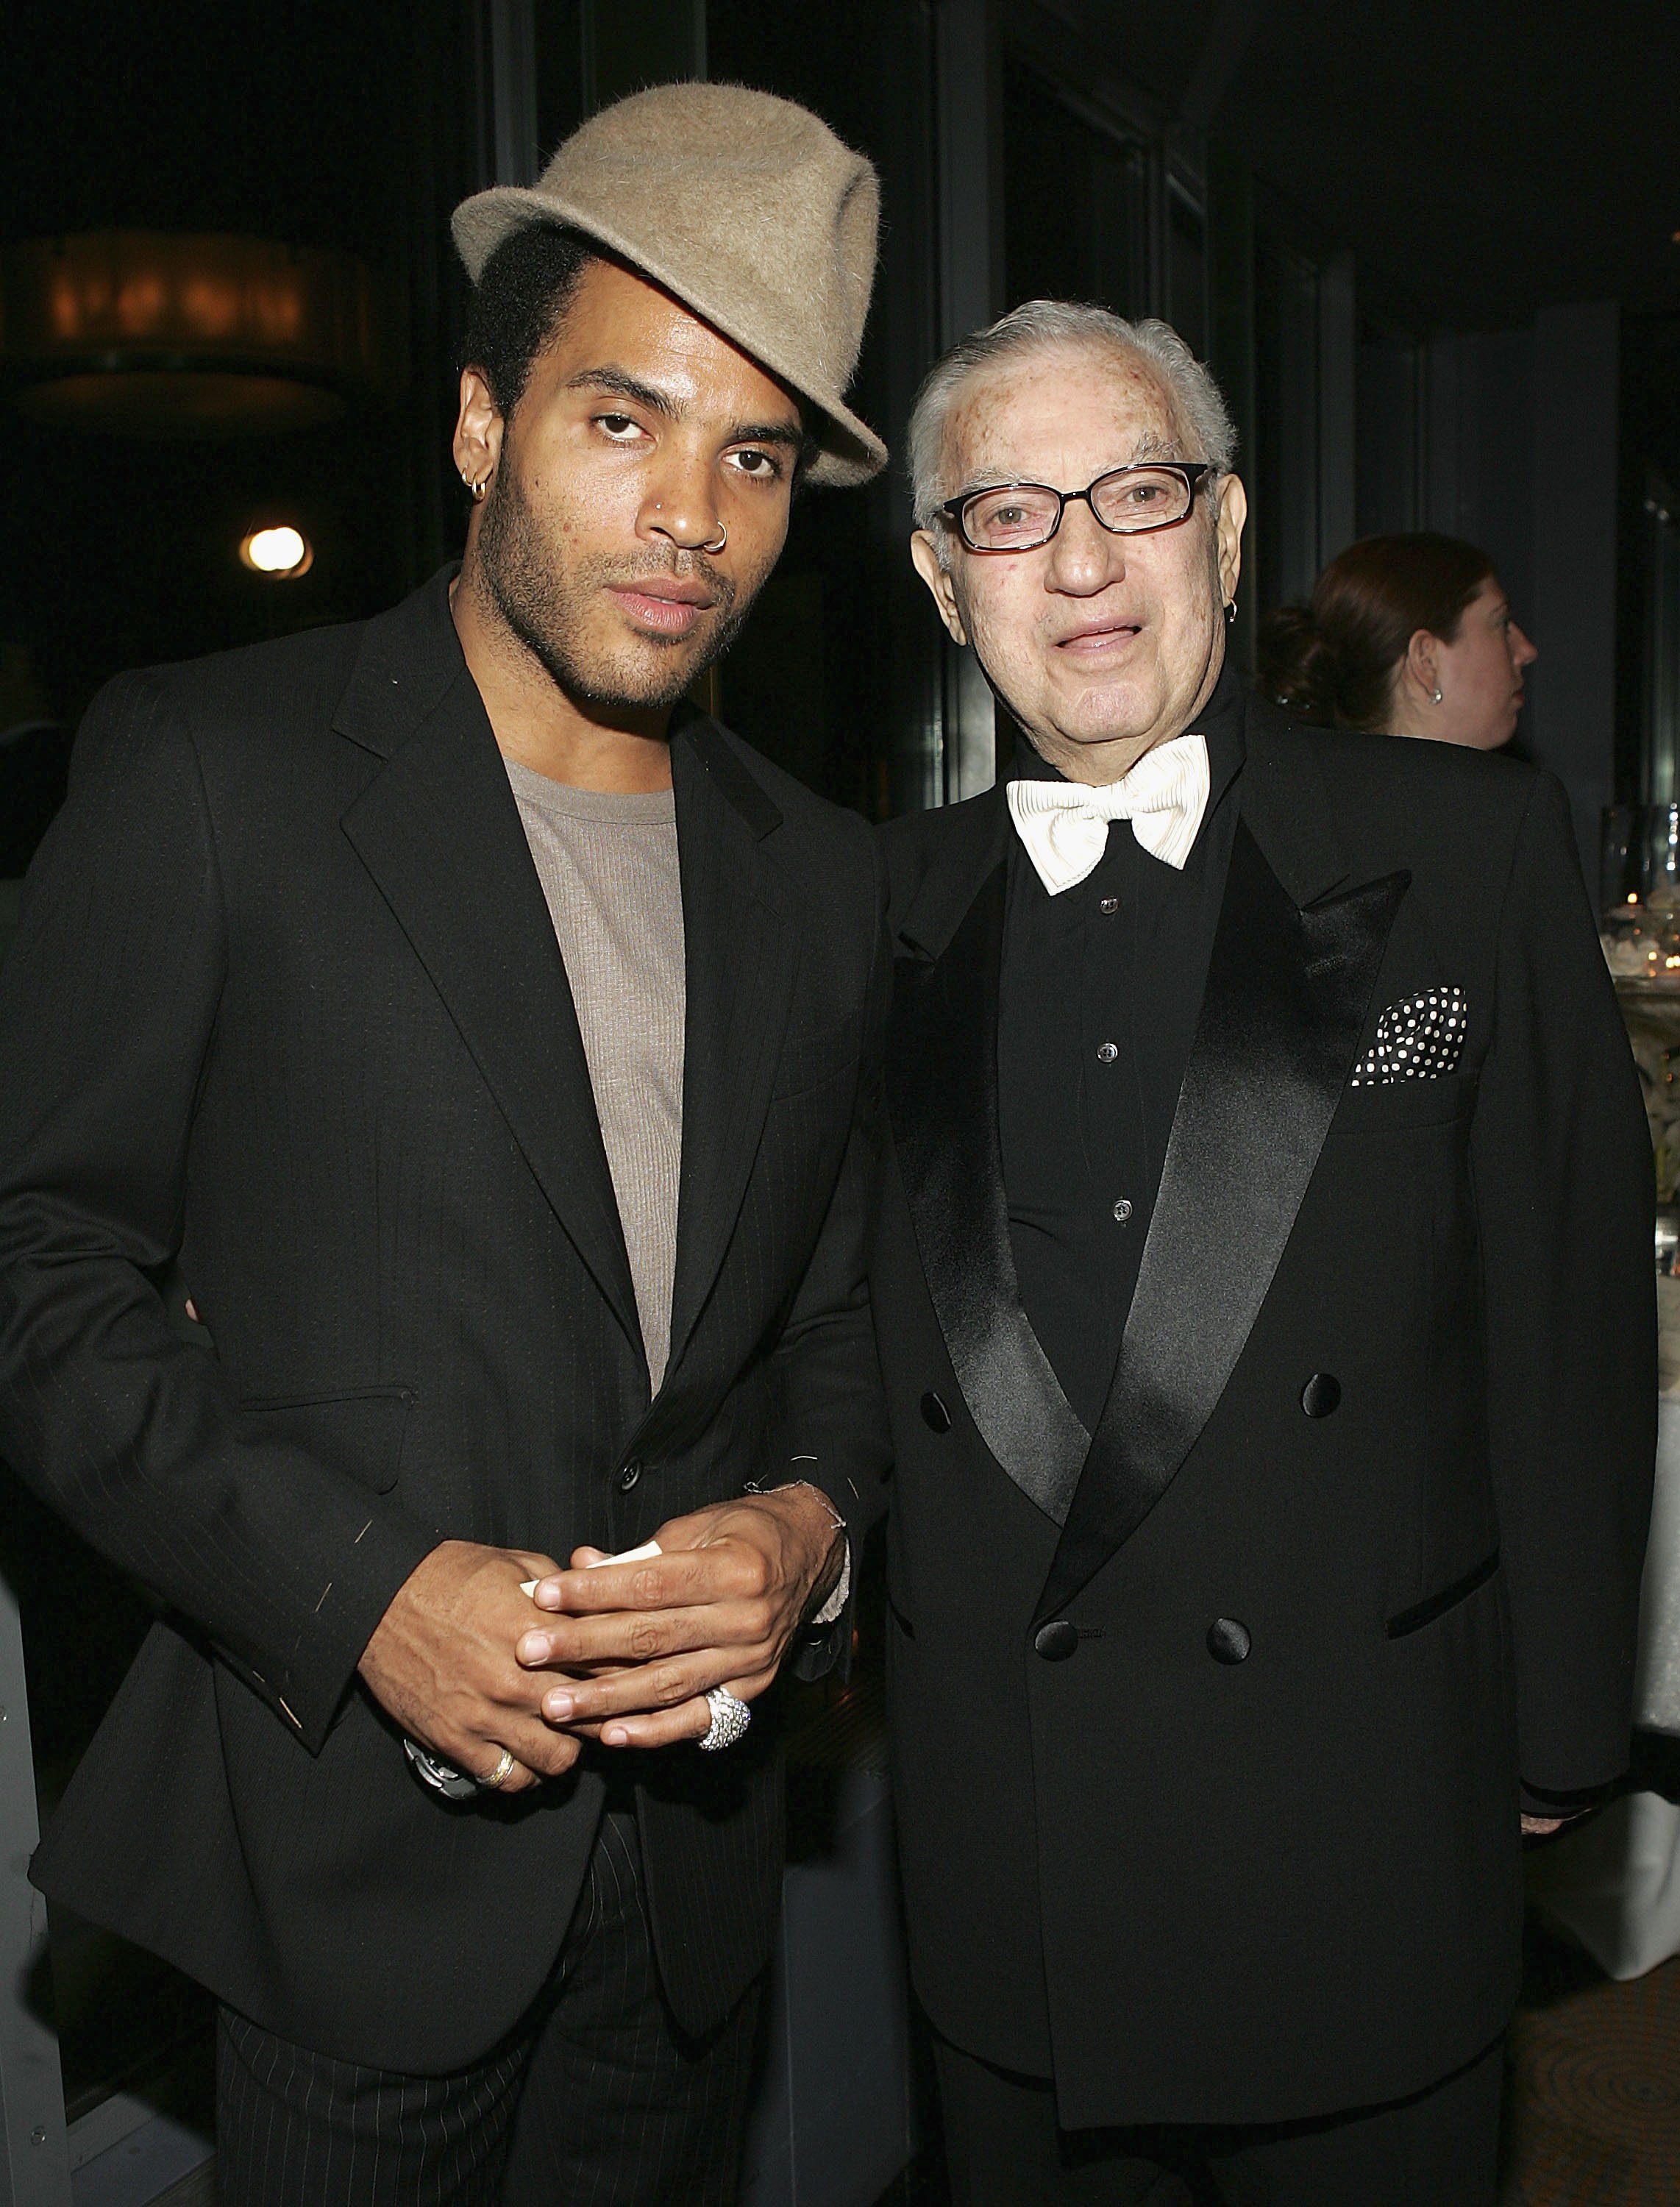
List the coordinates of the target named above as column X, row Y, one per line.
column 287, row 1007
column 1236, row 1838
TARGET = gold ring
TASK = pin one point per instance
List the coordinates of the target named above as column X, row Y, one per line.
column 499, row 1776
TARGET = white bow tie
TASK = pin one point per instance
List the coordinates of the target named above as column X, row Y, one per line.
column 1065, row 824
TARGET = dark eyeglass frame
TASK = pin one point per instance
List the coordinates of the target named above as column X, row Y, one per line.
column 1192, row 471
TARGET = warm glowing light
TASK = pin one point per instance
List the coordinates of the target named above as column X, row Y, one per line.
column 164, row 334
column 282, row 551
column 1633, row 896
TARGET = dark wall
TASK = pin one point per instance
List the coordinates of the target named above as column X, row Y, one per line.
column 340, row 128
column 1075, row 202
column 831, row 672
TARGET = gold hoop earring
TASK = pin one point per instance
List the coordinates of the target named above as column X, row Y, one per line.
column 478, row 491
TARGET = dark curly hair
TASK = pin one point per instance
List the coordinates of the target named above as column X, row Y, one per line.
column 519, row 302
column 1333, row 662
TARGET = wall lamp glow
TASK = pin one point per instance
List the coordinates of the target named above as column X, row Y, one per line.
column 282, row 553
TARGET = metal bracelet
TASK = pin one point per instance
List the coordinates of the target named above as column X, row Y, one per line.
column 836, row 1523
column 842, row 1586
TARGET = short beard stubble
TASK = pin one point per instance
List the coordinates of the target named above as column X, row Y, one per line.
column 543, row 601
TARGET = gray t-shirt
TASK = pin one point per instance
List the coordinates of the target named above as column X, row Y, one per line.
column 608, row 868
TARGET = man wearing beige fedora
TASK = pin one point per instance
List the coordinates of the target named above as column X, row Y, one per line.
column 481, row 1041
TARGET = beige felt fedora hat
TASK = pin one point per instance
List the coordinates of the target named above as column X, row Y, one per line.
column 746, row 208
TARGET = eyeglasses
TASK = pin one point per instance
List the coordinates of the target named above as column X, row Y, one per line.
column 1127, row 501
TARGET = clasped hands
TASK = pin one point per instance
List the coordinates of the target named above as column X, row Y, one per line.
column 624, row 1653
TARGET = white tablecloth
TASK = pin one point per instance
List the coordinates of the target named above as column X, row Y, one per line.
column 1616, row 1882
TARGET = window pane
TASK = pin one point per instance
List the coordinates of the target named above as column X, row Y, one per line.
column 1075, row 202
column 1186, row 274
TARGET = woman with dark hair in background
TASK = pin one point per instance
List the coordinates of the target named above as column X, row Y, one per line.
column 1409, row 635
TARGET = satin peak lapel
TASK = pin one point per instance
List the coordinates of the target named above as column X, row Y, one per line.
column 740, row 952
column 1288, row 992
column 942, row 1097
column 440, row 831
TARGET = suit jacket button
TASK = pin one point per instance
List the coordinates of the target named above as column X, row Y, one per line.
column 935, row 1414
column 1057, row 1641
column 1321, row 1394
column 1227, row 1642
column 628, row 1477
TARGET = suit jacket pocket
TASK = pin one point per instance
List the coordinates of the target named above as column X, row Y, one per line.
column 1399, row 1104
column 357, row 1430
column 1408, row 1621
column 810, row 1058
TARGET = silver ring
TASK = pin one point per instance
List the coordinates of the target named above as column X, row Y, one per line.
column 730, row 1719
column 723, row 538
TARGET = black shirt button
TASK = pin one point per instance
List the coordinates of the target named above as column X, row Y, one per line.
column 1057, row 1641
column 1321, row 1394
column 1108, row 904
column 628, row 1477
column 934, row 1415
column 1227, row 1642
column 1106, row 1052
column 1123, row 1210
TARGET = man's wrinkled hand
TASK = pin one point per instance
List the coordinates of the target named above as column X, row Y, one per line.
column 717, row 1607
column 441, row 1663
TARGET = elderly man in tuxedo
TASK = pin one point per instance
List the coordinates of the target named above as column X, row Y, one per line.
column 1263, row 1281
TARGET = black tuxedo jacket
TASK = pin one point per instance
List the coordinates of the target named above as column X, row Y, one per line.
column 287, row 1006
column 1209, row 1730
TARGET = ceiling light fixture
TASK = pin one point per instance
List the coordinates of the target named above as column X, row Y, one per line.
column 147, row 333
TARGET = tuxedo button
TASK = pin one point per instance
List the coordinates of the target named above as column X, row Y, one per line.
column 934, row 1415
column 1123, row 1210
column 1057, row 1641
column 1107, row 1053
column 1107, row 903
column 1227, row 1642
column 628, row 1477
column 1321, row 1394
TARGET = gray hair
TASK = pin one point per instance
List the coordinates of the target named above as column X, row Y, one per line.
column 1046, row 325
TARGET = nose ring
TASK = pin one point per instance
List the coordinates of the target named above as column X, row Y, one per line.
column 723, row 531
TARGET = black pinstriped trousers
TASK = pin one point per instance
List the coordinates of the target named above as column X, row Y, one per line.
column 596, row 2101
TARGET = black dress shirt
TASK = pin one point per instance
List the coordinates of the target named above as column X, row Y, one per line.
column 1098, row 999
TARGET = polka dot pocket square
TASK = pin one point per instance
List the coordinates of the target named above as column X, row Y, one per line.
column 1419, row 1038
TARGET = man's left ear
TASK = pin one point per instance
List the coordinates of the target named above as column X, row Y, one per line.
column 479, row 429
column 1232, row 512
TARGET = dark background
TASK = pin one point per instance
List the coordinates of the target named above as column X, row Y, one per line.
column 1440, row 178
